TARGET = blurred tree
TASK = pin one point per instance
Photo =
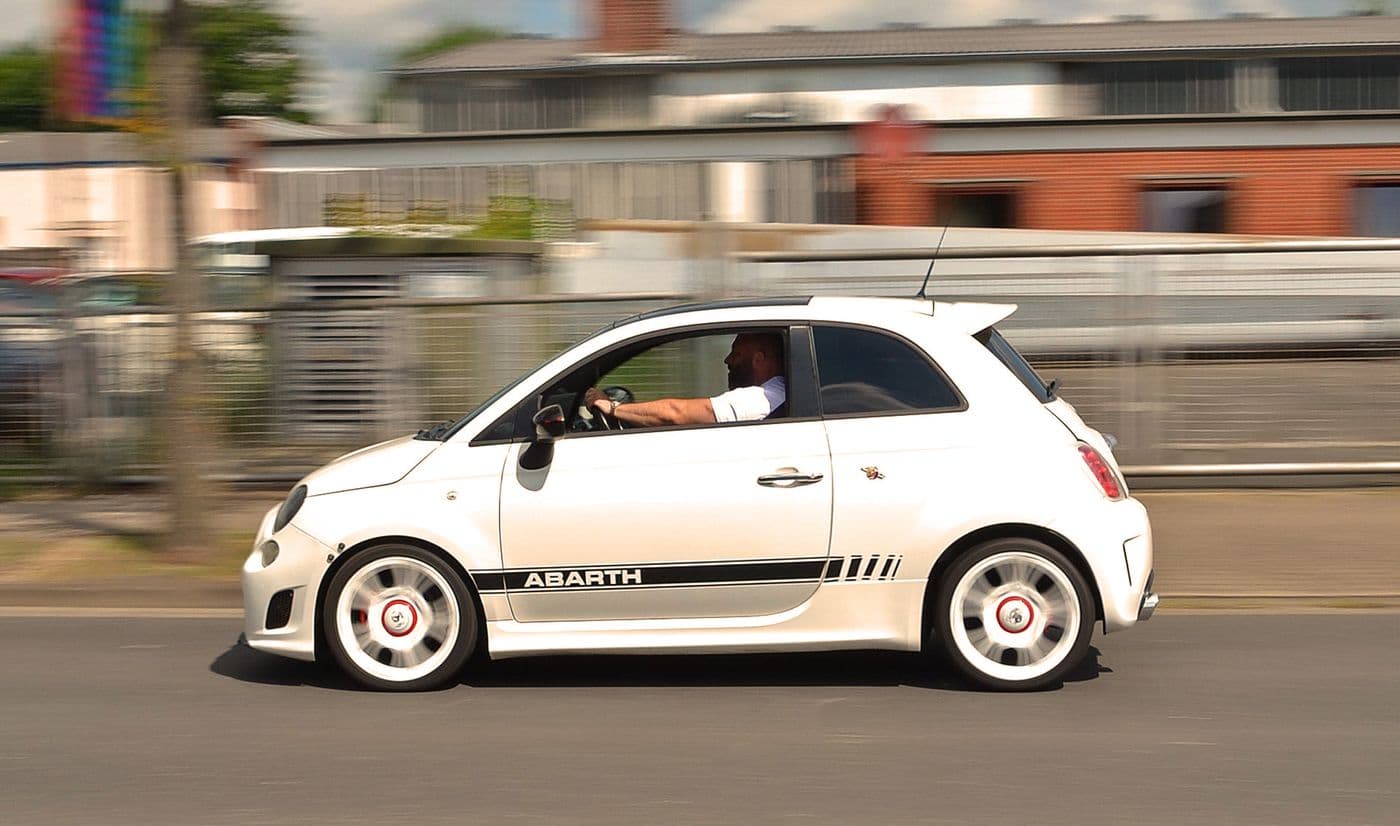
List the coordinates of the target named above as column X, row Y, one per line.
column 445, row 41
column 438, row 42
column 248, row 59
column 24, row 84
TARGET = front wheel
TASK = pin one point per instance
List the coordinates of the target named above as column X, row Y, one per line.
column 1013, row 614
column 397, row 618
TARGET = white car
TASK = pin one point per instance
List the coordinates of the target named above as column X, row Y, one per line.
column 920, row 488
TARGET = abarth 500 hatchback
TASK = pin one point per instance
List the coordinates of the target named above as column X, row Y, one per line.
column 918, row 488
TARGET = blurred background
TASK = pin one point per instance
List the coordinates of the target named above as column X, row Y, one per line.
column 241, row 237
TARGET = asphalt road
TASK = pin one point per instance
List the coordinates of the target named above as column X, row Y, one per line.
column 1188, row 719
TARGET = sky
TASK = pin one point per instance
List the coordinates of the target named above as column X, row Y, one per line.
column 346, row 60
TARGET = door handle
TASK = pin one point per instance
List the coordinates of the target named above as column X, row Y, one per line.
column 789, row 480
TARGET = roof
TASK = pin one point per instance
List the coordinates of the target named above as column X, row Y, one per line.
column 1062, row 40
column 963, row 316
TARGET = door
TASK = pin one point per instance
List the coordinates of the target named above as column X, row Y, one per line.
column 689, row 521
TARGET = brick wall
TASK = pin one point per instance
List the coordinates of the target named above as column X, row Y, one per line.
column 630, row 25
column 1273, row 191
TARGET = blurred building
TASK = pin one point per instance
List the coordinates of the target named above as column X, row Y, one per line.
column 95, row 200
column 1240, row 125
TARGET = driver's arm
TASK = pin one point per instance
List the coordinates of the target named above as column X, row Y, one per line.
column 659, row 412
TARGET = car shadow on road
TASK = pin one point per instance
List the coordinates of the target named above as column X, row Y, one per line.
column 241, row 662
column 844, row 668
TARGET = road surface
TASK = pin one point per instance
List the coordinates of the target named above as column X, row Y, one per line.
column 1188, row 719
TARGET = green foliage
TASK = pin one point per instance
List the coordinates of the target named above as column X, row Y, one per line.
column 446, row 41
column 436, row 43
column 24, row 82
column 248, row 58
column 508, row 217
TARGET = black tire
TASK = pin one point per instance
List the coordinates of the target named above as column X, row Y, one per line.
column 397, row 618
column 1013, row 615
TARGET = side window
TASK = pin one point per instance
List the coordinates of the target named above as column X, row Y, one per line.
column 863, row 371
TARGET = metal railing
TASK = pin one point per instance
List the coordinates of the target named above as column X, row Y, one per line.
column 1207, row 359
column 1230, row 358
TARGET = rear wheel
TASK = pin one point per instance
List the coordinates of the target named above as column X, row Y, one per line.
column 397, row 618
column 1013, row 614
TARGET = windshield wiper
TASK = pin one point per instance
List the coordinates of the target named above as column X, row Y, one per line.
column 436, row 433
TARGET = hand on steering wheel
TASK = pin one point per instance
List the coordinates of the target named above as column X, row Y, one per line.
column 602, row 403
column 599, row 406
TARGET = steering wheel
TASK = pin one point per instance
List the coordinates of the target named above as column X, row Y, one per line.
column 602, row 421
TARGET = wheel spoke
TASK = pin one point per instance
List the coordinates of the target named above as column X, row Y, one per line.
column 1042, row 646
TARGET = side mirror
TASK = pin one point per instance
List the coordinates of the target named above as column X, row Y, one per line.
column 549, row 423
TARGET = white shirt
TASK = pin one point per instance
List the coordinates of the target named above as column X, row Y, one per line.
column 748, row 404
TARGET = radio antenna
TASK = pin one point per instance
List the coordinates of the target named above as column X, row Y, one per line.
column 931, row 262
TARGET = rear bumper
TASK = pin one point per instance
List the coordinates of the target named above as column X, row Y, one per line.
column 1148, row 606
column 1116, row 540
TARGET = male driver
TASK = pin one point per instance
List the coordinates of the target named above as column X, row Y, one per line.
column 756, row 389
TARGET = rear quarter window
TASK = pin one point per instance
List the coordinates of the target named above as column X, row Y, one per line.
column 865, row 372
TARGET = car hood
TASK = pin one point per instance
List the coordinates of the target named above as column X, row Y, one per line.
column 381, row 464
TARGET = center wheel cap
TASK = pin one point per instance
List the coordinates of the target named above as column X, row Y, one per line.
column 399, row 617
column 1014, row 614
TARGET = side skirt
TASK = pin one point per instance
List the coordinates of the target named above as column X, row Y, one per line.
column 839, row 615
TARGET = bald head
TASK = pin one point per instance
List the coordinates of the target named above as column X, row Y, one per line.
column 754, row 358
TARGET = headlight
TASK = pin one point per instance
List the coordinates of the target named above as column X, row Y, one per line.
column 289, row 508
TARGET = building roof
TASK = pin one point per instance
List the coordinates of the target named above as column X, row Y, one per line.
column 1227, row 36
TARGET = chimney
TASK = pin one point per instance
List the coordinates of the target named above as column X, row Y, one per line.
column 631, row 25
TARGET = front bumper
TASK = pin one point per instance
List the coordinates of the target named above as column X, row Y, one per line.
column 298, row 569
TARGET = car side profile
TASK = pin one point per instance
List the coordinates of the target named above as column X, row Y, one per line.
column 920, row 488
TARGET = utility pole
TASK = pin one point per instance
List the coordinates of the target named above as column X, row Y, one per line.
column 187, row 439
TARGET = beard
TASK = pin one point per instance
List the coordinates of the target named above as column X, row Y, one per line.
column 740, row 376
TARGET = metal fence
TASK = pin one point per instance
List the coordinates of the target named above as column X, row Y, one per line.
column 1197, row 356
column 1207, row 356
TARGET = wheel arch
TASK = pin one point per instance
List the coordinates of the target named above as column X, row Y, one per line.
column 1005, row 530
column 344, row 557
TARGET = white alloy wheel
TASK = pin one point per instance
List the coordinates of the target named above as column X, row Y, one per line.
column 1014, row 614
column 397, row 618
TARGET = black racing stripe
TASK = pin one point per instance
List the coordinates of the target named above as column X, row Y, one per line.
column 854, row 569
column 682, row 564
column 487, row 581
column 870, row 567
column 888, row 569
column 899, row 560
column 833, row 568
column 723, row 573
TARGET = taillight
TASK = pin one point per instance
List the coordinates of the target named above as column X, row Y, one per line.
column 1108, row 480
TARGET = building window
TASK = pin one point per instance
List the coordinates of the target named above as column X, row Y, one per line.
column 976, row 208
column 1316, row 84
column 1185, row 209
column 1158, row 87
column 1377, row 210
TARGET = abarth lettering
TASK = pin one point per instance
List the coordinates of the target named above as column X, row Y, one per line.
column 584, row 579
